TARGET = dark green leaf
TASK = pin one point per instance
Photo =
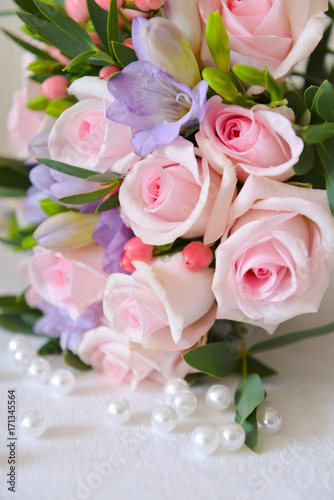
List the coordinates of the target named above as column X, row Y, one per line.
column 295, row 102
column 50, row 348
column 75, row 362
column 27, row 5
column 27, row 46
column 9, row 192
column 218, row 360
column 99, row 18
column 4, row 13
column 255, row 366
column 10, row 304
column 65, row 168
column 108, row 176
column 124, row 55
column 249, row 394
column 316, row 67
column 112, row 26
column 318, row 133
column 326, row 155
column 309, row 96
column 324, row 104
column 192, row 378
column 16, row 324
column 330, row 11
column 291, row 338
column 10, row 241
column 84, row 198
column 80, row 58
column 306, row 161
column 251, row 430
column 109, row 203
column 15, row 164
column 50, row 207
column 330, row 194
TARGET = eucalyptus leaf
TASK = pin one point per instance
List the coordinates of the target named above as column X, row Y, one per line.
column 65, row 168
column 330, row 194
column 256, row 366
column 317, row 133
column 309, row 96
column 326, row 155
column 251, row 429
column 249, row 394
column 218, row 359
column 84, row 198
column 306, row 161
column 296, row 103
column 324, row 104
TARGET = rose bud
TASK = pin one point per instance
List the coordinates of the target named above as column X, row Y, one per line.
column 135, row 249
column 55, row 87
column 196, row 256
column 126, row 264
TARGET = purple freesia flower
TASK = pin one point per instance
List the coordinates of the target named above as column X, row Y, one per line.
column 150, row 100
column 56, row 322
column 111, row 233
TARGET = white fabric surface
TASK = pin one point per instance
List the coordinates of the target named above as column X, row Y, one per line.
column 82, row 456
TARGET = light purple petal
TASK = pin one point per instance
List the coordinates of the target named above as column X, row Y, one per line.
column 137, row 25
column 38, row 145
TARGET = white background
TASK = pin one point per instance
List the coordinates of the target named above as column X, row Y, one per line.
column 82, row 456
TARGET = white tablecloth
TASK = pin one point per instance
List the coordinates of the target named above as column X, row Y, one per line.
column 82, row 456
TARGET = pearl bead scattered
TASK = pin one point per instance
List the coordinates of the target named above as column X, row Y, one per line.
column 205, row 440
column 62, row 382
column 164, row 418
column 269, row 420
column 38, row 371
column 17, row 343
column 118, row 410
column 173, row 385
column 232, row 436
column 24, row 355
column 218, row 397
column 184, row 402
column 33, row 424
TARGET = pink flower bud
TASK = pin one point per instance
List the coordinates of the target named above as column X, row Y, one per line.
column 135, row 249
column 95, row 38
column 128, row 42
column 149, row 4
column 125, row 264
column 196, row 256
column 77, row 10
column 104, row 4
column 107, row 71
column 55, row 87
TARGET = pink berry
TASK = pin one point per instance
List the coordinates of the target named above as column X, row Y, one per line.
column 135, row 249
column 95, row 38
column 107, row 71
column 126, row 264
column 55, row 87
column 104, row 4
column 196, row 256
column 149, row 4
column 128, row 42
column 77, row 10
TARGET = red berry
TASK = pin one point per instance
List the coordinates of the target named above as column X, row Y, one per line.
column 135, row 249
column 126, row 264
column 196, row 256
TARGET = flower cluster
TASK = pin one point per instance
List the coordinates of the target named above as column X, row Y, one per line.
column 176, row 177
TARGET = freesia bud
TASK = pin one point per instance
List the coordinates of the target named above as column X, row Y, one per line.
column 196, row 256
column 66, row 230
column 126, row 264
column 168, row 47
column 77, row 10
column 55, row 87
column 186, row 16
column 135, row 249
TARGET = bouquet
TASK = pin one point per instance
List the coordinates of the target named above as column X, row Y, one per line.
column 174, row 177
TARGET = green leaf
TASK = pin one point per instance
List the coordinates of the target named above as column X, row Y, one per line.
column 4, row 13
column 27, row 46
column 220, row 83
column 255, row 366
column 291, row 338
column 251, row 429
column 306, row 161
column 10, row 304
column 296, row 103
column 218, row 42
column 99, row 18
column 330, row 11
column 326, row 155
column 9, row 192
column 58, row 106
column 124, row 55
column 16, row 324
column 74, row 361
column 192, row 378
column 10, row 241
column 28, row 243
column 45, row 67
column 109, row 203
column 324, row 104
column 272, row 86
column 112, row 26
column 27, row 5
column 330, row 194
column 316, row 67
column 309, row 96
column 107, row 177
column 50, row 207
column 38, row 103
column 250, row 75
column 317, row 133
column 50, row 348
column 249, row 394
column 80, row 58
column 84, row 198
column 66, row 24
column 65, row 168
column 217, row 360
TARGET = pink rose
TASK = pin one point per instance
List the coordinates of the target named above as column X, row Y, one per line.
column 274, row 261
column 258, row 141
column 172, row 193
column 105, row 351
column 162, row 306
column 272, row 33
column 72, row 279
column 84, row 137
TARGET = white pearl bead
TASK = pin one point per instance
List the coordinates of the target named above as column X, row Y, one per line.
column 173, row 385
column 24, row 355
column 164, row 418
column 205, row 440
column 62, row 382
column 33, row 424
column 118, row 410
column 184, row 402
column 38, row 371
column 17, row 343
column 269, row 420
column 233, row 436
column 218, row 397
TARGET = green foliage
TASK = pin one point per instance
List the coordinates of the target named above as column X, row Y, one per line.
column 14, row 178
column 56, row 107
column 221, row 83
column 99, row 18
column 50, row 348
column 108, row 204
column 16, row 316
column 124, row 55
column 74, row 361
column 84, row 198
column 51, row 208
column 218, row 359
column 65, row 168
column 218, row 42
